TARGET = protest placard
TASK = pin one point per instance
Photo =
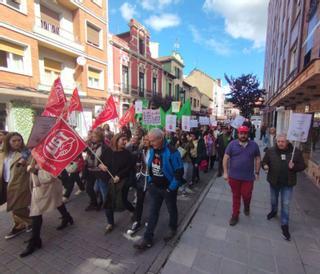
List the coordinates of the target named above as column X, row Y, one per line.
column 238, row 121
column 186, row 123
column 204, row 121
column 193, row 123
column 41, row 127
column 171, row 123
column 151, row 117
column 175, row 106
column 299, row 127
column 138, row 106
column 213, row 121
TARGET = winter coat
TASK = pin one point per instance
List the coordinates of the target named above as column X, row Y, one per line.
column 272, row 158
column 18, row 189
column 46, row 193
column 172, row 165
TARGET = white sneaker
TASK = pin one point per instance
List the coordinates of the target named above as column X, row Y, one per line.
column 78, row 192
column 188, row 190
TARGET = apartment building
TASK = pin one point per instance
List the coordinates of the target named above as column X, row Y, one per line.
column 292, row 70
column 43, row 39
column 134, row 73
column 211, row 88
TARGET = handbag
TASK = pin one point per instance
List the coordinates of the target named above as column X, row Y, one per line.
column 203, row 165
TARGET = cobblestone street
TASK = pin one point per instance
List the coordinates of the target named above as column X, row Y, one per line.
column 83, row 247
column 254, row 245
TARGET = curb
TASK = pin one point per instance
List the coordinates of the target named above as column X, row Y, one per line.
column 163, row 256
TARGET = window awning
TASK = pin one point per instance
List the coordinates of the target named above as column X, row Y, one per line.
column 12, row 48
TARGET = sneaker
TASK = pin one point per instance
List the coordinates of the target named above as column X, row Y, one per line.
column 134, row 228
column 78, row 192
column 108, row 229
column 233, row 221
column 285, row 232
column 29, row 228
column 143, row 245
column 65, row 200
column 246, row 211
column 170, row 235
column 271, row 215
column 188, row 190
column 14, row 232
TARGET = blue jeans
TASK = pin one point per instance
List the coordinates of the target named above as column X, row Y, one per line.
column 286, row 194
column 157, row 195
column 102, row 187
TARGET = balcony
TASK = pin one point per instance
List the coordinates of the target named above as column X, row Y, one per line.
column 55, row 35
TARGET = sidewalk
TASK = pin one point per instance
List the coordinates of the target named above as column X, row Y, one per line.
column 254, row 245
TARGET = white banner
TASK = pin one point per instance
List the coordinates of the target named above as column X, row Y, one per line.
column 171, row 123
column 175, row 107
column 204, row 121
column 151, row 117
column 186, row 123
column 299, row 127
column 138, row 106
column 238, row 121
column 193, row 123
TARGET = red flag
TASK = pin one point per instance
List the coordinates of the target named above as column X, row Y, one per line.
column 128, row 117
column 75, row 103
column 56, row 101
column 61, row 146
column 108, row 112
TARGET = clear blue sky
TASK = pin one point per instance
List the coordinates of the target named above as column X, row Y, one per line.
column 216, row 36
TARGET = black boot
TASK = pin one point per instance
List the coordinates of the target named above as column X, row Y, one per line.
column 271, row 215
column 32, row 246
column 66, row 217
column 285, row 232
column 66, row 220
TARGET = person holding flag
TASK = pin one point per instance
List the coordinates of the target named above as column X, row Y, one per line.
column 46, row 196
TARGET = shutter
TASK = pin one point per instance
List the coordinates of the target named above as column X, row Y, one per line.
column 52, row 65
column 49, row 16
column 12, row 48
column 95, row 74
column 93, row 35
column 17, row 1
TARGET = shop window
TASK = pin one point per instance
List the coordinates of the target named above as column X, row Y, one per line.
column 12, row 56
column 95, row 78
column 93, row 35
column 52, row 70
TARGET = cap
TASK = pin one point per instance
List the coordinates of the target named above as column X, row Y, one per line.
column 243, row 129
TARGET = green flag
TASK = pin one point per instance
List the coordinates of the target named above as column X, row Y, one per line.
column 169, row 111
column 145, row 103
column 185, row 110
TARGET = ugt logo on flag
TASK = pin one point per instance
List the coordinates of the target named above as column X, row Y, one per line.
column 58, row 149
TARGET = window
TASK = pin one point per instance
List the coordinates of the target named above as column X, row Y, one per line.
column 141, row 84
column 176, row 95
column 141, row 46
column 170, row 89
column 154, row 85
column 125, row 79
column 12, row 56
column 95, row 78
column 93, row 35
column 52, row 70
column 311, row 29
column 50, row 20
column 177, row 72
column 14, row 3
column 98, row 2
column 293, row 58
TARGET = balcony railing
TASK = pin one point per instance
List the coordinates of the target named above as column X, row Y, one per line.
column 49, row 27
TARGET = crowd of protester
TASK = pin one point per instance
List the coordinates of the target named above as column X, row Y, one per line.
column 162, row 164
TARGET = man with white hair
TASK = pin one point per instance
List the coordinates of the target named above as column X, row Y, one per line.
column 165, row 176
column 282, row 168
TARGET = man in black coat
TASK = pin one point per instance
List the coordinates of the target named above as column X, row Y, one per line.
column 222, row 142
column 282, row 170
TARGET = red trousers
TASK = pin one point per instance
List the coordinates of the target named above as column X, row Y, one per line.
column 240, row 189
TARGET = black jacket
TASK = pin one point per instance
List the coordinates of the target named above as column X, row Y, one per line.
column 277, row 168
